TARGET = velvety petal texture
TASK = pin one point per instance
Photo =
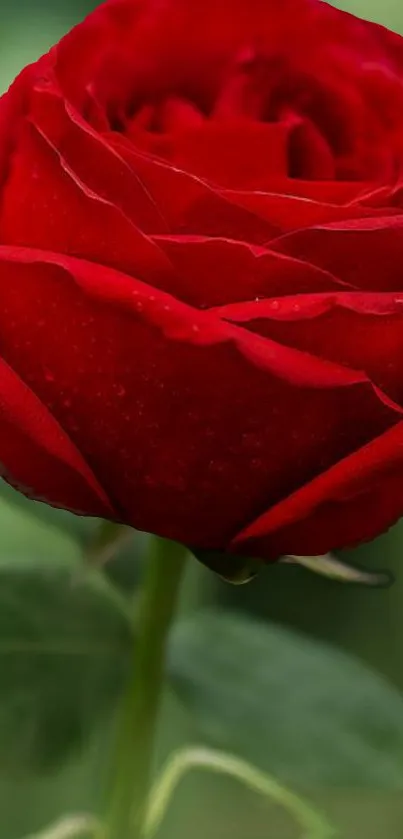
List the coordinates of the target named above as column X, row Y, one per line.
column 201, row 274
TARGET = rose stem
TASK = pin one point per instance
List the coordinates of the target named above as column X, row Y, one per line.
column 134, row 751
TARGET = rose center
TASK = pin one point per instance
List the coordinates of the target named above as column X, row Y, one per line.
column 290, row 120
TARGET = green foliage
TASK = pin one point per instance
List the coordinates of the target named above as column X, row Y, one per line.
column 75, row 527
column 387, row 12
column 63, row 638
column 35, row 530
column 304, row 711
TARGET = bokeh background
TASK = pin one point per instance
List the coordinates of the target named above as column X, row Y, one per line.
column 365, row 623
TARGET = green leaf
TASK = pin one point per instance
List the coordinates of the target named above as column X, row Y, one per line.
column 78, row 527
column 64, row 638
column 26, row 538
column 301, row 710
column 34, row 528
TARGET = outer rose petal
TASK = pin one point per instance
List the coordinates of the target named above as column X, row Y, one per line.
column 199, row 421
column 38, row 457
column 352, row 502
column 90, row 156
column 67, row 215
column 11, row 106
column 361, row 330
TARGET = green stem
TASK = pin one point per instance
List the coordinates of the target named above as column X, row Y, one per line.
column 70, row 827
column 313, row 823
column 133, row 760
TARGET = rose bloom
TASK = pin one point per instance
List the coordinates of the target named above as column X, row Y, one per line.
column 201, row 296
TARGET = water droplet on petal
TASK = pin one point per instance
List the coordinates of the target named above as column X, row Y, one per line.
column 256, row 463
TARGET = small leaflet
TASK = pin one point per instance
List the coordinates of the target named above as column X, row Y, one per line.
column 334, row 568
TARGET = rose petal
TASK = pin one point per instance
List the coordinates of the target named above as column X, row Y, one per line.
column 361, row 330
column 188, row 439
column 352, row 502
column 210, row 272
column 44, row 204
column 366, row 252
column 237, row 154
column 295, row 213
column 38, row 457
column 192, row 205
column 93, row 160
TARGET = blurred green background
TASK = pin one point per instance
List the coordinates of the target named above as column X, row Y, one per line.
column 365, row 623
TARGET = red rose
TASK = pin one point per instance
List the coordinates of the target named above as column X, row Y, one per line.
column 201, row 298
